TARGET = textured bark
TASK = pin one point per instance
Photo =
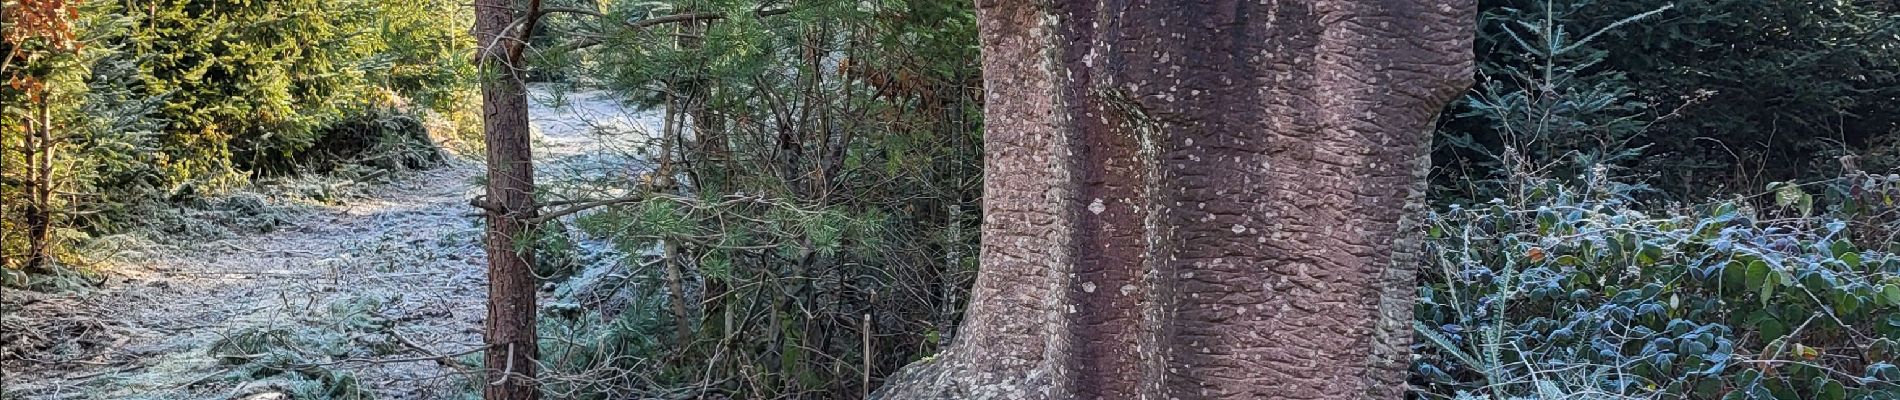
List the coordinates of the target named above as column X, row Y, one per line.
column 1200, row 199
column 509, row 333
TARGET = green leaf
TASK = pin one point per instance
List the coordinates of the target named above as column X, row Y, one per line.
column 1791, row 196
column 1829, row 389
column 1650, row 255
column 1757, row 273
column 1891, row 294
column 1567, row 260
column 1882, row 350
column 1846, row 302
column 1841, row 247
column 1785, row 194
column 1771, row 329
column 1707, row 388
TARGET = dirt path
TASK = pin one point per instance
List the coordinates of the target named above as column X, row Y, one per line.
column 375, row 287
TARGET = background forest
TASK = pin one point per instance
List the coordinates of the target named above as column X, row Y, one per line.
column 1638, row 199
column 117, row 110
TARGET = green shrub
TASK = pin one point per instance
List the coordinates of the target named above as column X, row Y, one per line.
column 1578, row 292
column 178, row 99
column 75, row 135
column 821, row 223
column 380, row 137
column 257, row 82
column 252, row 79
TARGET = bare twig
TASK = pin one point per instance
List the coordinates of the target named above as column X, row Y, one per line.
column 687, row 17
column 650, row 22
column 508, row 368
column 583, row 207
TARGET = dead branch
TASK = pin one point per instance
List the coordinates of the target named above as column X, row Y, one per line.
column 584, row 206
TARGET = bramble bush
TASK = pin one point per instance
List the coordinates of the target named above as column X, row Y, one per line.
column 1558, row 291
column 1578, row 281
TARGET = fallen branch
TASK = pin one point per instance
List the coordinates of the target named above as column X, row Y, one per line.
column 436, row 358
column 447, row 361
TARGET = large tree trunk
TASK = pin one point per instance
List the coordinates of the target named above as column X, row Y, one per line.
column 509, row 334
column 1200, row 199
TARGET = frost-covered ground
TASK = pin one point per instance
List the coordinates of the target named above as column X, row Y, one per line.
column 376, row 287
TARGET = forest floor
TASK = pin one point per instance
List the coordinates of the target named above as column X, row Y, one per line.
column 382, row 291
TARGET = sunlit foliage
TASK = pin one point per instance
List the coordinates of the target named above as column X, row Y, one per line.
column 114, row 108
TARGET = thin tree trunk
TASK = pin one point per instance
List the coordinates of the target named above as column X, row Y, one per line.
column 676, row 288
column 1199, row 199
column 670, row 139
column 29, row 155
column 39, row 208
column 510, row 329
column 708, row 132
column 6, row 207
